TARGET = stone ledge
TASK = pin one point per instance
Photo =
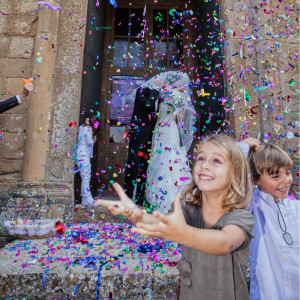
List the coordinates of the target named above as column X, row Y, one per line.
column 74, row 267
column 96, row 214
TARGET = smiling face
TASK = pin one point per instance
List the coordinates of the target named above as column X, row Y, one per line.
column 271, row 170
column 212, row 169
column 277, row 184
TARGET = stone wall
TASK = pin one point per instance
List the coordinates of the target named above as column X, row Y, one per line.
column 37, row 143
column 262, row 72
column 17, row 37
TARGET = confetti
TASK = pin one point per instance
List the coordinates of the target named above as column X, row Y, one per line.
column 49, row 5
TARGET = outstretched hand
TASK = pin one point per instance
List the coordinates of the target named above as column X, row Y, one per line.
column 125, row 206
column 253, row 143
column 27, row 88
column 171, row 227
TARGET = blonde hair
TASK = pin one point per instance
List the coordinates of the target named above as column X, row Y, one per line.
column 239, row 188
column 269, row 158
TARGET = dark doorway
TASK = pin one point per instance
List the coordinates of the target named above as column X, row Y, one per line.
column 91, row 80
column 135, row 41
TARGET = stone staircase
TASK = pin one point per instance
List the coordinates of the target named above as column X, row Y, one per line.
column 97, row 258
column 96, row 214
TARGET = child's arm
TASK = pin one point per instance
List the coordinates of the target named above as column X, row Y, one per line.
column 248, row 143
column 127, row 208
column 174, row 227
column 252, row 143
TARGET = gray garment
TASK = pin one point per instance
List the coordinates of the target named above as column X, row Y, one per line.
column 206, row 276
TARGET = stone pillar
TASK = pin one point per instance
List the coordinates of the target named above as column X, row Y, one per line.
column 65, row 106
column 39, row 103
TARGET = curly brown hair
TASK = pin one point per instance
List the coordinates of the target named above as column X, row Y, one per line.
column 239, row 189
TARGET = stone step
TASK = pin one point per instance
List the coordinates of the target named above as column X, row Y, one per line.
column 96, row 214
column 114, row 264
column 81, row 214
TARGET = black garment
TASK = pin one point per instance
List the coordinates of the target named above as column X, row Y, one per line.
column 143, row 121
column 8, row 104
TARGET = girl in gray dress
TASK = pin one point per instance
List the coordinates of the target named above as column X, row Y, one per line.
column 210, row 222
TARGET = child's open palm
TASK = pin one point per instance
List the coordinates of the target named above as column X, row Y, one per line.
column 171, row 227
column 125, row 206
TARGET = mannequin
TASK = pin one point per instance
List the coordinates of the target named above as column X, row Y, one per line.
column 169, row 171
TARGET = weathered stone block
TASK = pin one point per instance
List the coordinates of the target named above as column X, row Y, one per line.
column 20, row 24
column 29, row 189
column 20, row 47
column 3, row 25
column 4, row 43
column 288, row 54
column 6, row 7
column 290, row 97
column 96, row 214
column 165, row 284
column 58, row 189
column 231, row 11
column 55, row 211
column 68, row 176
column 11, row 177
column 23, row 7
column 15, row 67
column 61, row 193
column 12, row 146
column 3, row 122
column 14, row 86
column 19, row 202
column 16, row 123
column 4, row 195
column 64, row 140
column 55, row 169
column 286, row 27
column 3, row 83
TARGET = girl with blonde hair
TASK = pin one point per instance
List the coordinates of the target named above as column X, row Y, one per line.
column 210, row 222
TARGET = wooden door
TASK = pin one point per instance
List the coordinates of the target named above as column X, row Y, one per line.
column 145, row 39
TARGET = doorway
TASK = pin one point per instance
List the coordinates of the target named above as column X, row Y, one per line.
column 136, row 41
column 145, row 39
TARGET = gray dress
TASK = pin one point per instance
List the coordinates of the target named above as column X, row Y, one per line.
column 206, row 276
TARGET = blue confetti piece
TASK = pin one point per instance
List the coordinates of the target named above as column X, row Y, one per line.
column 76, row 171
column 113, row 3
column 99, row 277
column 292, row 66
column 75, row 288
column 44, row 276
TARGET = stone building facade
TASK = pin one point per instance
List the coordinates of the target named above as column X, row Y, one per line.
column 47, row 44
